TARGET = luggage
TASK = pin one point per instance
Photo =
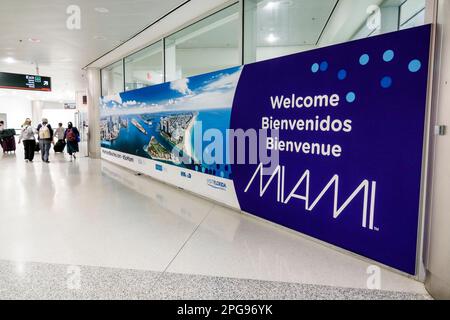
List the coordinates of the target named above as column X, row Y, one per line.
column 9, row 144
column 59, row 146
column 7, row 133
column 37, row 148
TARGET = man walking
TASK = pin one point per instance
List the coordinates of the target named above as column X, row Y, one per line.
column 45, row 139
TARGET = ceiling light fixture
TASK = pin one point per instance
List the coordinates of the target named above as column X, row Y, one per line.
column 99, row 38
column 102, row 10
column 271, row 38
column 34, row 40
column 271, row 5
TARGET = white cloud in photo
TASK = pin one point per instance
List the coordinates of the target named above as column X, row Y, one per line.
column 181, row 86
column 113, row 98
column 224, row 82
column 130, row 103
column 216, row 94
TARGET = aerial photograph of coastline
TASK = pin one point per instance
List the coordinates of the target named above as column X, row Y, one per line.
column 162, row 122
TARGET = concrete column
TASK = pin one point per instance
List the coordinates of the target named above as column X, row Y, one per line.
column 389, row 19
column 94, row 94
column 36, row 111
column 171, row 62
column 437, row 231
column 251, row 34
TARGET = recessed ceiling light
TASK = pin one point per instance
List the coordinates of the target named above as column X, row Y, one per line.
column 102, row 10
column 271, row 5
column 10, row 60
column 34, row 40
column 99, row 38
column 271, row 38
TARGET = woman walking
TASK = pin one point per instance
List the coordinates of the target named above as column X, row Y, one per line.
column 72, row 136
column 29, row 142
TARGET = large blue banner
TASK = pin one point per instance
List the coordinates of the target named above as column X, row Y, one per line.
column 326, row 142
column 351, row 120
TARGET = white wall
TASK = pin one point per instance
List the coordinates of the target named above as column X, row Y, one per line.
column 56, row 116
column 17, row 109
column 265, row 53
column 187, row 62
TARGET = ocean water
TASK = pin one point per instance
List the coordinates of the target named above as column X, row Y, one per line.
column 220, row 120
column 132, row 141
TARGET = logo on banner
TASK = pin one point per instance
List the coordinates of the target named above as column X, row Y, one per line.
column 186, row 175
column 217, row 184
column 366, row 188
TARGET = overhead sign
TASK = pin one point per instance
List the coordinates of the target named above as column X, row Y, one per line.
column 70, row 105
column 25, row 82
column 326, row 142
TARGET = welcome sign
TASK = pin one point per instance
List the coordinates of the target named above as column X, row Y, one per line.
column 326, row 142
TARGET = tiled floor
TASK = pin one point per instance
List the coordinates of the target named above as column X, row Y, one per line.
column 96, row 215
column 53, row 281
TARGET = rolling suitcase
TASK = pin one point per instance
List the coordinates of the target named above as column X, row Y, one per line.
column 9, row 144
column 59, row 146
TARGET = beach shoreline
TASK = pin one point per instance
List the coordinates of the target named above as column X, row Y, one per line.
column 187, row 145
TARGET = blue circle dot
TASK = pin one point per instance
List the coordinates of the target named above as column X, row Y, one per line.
column 351, row 97
column 388, row 55
column 315, row 67
column 415, row 65
column 386, row 82
column 324, row 66
column 342, row 74
column 364, row 59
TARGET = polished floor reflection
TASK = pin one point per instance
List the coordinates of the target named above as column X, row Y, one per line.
column 91, row 213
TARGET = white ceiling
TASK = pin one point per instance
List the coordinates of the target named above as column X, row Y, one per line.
column 62, row 53
column 292, row 22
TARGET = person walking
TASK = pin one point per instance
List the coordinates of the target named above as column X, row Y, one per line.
column 59, row 132
column 45, row 133
column 72, row 136
column 29, row 143
column 59, row 135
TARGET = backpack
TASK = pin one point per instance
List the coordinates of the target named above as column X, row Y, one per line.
column 44, row 133
column 71, row 136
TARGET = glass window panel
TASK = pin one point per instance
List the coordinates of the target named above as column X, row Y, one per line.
column 412, row 13
column 208, row 45
column 415, row 21
column 144, row 68
column 274, row 28
column 112, row 79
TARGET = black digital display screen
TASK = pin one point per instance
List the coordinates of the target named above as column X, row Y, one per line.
column 25, row 82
